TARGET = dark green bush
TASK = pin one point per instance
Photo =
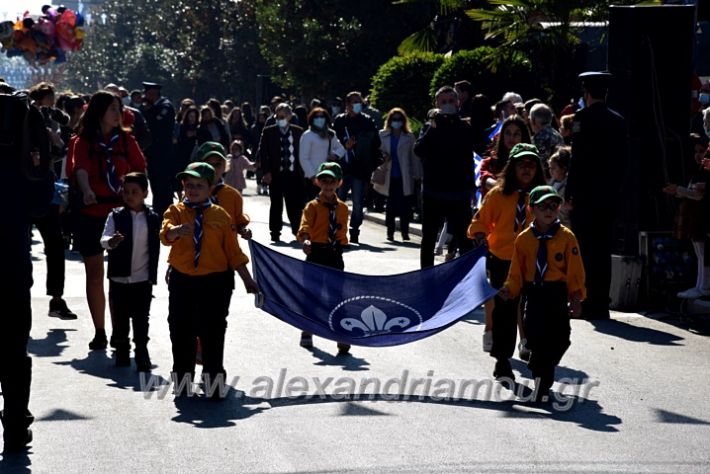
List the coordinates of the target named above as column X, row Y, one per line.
column 404, row 81
column 474, row 66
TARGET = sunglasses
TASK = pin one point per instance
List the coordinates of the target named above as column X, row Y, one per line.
column 548, row 206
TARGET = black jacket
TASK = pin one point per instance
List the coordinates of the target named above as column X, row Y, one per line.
column 119, row 259
column 270, row 149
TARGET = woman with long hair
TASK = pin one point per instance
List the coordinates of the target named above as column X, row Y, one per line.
column 103, row 153
column 513, row 131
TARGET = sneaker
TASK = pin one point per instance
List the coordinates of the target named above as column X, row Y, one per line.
column 343, row 349
column 306, row 340
column 99, row 342
column 523, row 351
column 487, row 341
column 58, row 309
column 693, row 293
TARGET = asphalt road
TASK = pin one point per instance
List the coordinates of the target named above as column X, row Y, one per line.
column 636, row 395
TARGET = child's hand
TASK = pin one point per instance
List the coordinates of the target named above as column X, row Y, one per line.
column 89, row 197
column 115, row 240
column 250, row 285
column 479, row 239
column 504, row 294
column 307, row 247
column 245, row 233
column 184, row 229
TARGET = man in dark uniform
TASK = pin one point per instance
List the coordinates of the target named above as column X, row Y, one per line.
column 159, row 113
column 598, row 147
column 21, row 176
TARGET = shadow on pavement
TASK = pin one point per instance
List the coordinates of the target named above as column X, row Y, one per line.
column 633, row 333
column 369, row 248
column 51, row 346
column 16, row 463
column 347, row 362
column 99, row 364
column 561, row 372
column 202, row 412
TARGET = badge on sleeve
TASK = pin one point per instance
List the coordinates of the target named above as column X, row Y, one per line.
column 575, row 251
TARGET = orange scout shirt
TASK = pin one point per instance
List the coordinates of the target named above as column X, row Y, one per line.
column 496, row 219
column 315, row 222
column 232, row 202
column 564, row 263
column 219, row 251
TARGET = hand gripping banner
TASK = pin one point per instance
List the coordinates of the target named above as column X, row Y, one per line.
column 369, row 310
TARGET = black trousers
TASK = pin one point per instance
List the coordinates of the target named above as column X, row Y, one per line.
column 286, row 186
column 327, row 256
column 505, row 313
column 50, row 228
column 457, row 213
column 593, row 228
column 130, row 302
column 547, row 328
column 162, row 182
column 15, row 363
column 198, row 307
column 398, row 205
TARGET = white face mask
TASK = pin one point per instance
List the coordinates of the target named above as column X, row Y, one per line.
column 448, row 109
column 283, row 123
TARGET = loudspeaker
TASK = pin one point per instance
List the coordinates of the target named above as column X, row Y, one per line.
column 650, row 55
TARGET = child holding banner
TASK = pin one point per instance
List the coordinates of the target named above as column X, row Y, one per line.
column 323, row 230
column 548, row 270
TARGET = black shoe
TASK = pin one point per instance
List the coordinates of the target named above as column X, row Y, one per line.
column 354, row 239
column 143, row 362
column 17, row 442
column 275, row 238
column 58, row 309
column 503, row 370
column 343, row 349
column 99, row 342
column 390, row 237
column 405, row 236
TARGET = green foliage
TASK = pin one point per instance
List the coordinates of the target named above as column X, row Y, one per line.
column 403, row 81
column 472, row 66
column 325, row 48
column 199, row 48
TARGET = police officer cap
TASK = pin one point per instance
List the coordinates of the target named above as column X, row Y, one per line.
column 151, row 85
column 595, row 79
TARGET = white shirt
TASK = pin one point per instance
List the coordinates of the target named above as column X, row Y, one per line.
column 313, row 150
column 140, row 258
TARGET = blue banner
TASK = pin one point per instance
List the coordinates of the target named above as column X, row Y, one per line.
column 369, row 310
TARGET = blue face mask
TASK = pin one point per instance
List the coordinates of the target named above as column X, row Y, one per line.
column 357, row 107
column 319, row 122
column 283, row 123
column 396, row 124
column 704, row 98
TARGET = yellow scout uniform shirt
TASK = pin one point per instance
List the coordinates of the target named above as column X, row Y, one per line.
column 496, row 219
column 315, row 222
column 564, row 263
column 219, row 251
column 232, row 202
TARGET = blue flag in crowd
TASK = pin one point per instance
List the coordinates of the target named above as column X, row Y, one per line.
column 370, row 310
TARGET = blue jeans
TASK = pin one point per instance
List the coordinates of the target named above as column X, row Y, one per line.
column 358, row 189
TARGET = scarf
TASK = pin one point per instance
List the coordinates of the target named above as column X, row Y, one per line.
column 543, row 237
column 111, row 175
column 199, row 218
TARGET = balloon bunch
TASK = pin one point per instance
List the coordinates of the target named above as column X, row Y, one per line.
column 45, row 40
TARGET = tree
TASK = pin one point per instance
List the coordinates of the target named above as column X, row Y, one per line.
column 323, row 48
column 200, row 49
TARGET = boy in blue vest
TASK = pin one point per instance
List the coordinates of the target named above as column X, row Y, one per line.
column 132, row 238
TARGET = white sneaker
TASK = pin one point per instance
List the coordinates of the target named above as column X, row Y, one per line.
column 692, row 293
column 523, row 351
column 487, row 341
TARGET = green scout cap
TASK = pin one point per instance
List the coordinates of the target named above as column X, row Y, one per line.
column 208, row 149
column 543, row 193
column 521, row 150
column 330, row 169
column 198, row 170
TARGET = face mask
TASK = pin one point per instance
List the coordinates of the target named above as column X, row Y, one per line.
column 448, row 109
column 126, row 100
column 396, row 124
column 319, row 122
column 283, row 123
column 357, row 107
column 704, row 98
column 335, row 110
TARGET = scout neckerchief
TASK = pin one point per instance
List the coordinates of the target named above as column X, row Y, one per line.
column 111, row 175
column 543, row 237
column 520, row 215
column 197, row 235
column 217, row 188
column 332, row 220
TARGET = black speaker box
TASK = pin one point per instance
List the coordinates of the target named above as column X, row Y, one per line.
column 650, row 55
